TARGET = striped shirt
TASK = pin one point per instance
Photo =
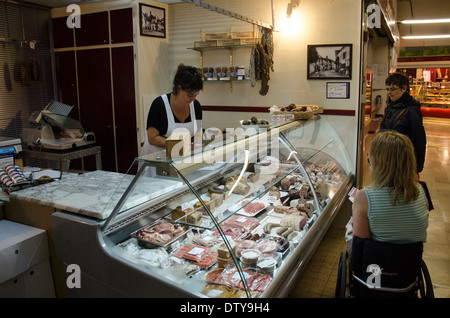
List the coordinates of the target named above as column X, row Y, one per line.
column 402, row 223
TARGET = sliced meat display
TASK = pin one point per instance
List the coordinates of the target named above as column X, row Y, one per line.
column 160, row 233
column 253, row 207
column 247, row 223
column 236, row 226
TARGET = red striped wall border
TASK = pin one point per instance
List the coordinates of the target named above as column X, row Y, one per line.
column 426, row 111
column 259, row 109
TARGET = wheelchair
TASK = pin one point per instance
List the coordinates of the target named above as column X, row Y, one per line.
column 383, row 270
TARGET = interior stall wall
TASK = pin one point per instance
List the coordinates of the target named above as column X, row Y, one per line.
column 313, row 22
column 153, row 66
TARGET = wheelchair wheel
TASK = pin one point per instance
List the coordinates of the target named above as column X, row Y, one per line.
column 425, row 284
column 341, row 283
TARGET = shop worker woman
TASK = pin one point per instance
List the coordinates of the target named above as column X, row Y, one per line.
column 393, row 208
column 403, row 115
column 178, row 110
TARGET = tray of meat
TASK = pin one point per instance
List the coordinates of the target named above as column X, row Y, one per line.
column 160, row 234
column 236, row 225
column 252, row 208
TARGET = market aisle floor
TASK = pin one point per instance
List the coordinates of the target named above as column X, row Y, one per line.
column 319, row 278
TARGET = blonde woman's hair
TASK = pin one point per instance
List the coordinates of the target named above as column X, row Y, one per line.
column 394, row 165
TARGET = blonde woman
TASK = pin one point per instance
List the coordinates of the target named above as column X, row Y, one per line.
column 393, row 208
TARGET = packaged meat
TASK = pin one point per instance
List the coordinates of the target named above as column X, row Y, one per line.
column 247, row 223
column 255, row 281
column 260, row 282
column 266, row 245
column 192, row 252
column 215, row 276
column 208, row 261
column 242, row 245
column 236, row 226
column 234, row 278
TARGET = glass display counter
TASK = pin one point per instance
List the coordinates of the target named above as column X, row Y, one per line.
column 236, row 216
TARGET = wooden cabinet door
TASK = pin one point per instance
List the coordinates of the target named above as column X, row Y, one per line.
column 66, row 80
column 124, row 106
column 94, row 29
column 121, row 25
column 96, row 113
column 62, row 35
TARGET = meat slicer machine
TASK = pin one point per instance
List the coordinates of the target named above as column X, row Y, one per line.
column 55, row 129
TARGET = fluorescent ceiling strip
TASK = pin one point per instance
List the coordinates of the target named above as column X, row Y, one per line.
column 426, row 21
column 413, row 37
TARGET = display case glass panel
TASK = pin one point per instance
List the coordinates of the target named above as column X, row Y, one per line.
column 224, row 218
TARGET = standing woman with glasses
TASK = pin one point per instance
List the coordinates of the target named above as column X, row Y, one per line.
column 403, row 114
column 178, row 110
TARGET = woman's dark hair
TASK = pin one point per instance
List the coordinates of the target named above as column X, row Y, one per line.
column 398, row 79
column 188, row 78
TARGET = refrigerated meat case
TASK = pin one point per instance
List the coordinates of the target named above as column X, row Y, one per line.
column 239, row 216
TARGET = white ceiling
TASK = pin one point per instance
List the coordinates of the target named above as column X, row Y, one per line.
column 423, row 9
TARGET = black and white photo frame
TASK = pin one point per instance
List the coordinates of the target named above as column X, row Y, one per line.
column 152, row 20
column 329, row 61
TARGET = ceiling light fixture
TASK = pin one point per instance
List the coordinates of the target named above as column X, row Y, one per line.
column 292, row 4
column 426, row 21
column 418, row 37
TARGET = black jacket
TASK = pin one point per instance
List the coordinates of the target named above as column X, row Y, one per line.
column 410, row 123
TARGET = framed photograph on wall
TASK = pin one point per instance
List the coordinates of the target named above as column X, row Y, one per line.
column 152, row 20
column 329, row 61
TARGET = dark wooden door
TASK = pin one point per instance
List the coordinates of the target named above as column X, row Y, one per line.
column 66, row 79
column 96, row 113
column 62, row 35
column 121, row 25
column 94, row 29
column 124, row 106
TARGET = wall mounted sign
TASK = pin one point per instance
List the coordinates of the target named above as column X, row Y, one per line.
column 338, row 90
column 329, row 61
column 152, row 20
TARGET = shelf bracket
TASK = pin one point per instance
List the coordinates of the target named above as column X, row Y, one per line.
column 229, row 13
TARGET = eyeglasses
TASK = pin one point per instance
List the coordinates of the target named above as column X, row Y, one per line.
column 391, row 89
